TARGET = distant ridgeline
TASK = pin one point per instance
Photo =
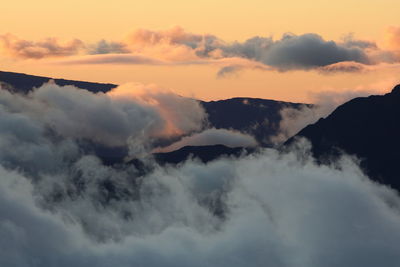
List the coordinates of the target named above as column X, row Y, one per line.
column 367, row 127
column 257, row 117
column 24, row 83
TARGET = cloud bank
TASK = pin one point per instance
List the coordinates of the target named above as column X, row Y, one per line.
column 60, row 205
column 280, row 213
column 294, row 120
column 129, row 114
column 176, row 46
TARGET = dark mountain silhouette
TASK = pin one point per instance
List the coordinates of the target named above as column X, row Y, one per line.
column 258, row 117
column 24, row 83
column 367, row 127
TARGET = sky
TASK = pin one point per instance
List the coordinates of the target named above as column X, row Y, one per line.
column 60, row 205
column 199, row 49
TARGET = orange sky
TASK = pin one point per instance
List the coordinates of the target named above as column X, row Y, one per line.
column 92, row 20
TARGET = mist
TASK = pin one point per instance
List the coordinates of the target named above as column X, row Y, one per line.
column 60, row 205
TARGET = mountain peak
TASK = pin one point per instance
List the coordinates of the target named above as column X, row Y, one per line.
column 364, row 127
column 396, row 90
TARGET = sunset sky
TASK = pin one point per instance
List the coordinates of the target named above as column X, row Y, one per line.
column 199, row 49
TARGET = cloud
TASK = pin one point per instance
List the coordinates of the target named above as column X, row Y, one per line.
column 350, row 41
column 307, row 51
column 49, row 47
column 213, row 136
column 290, row 52
column 346, row 66
column 232, row 66
column 293, row 120
column 111, row 59
column 392, row 38
column 175, row 35
column 281, row 212
column 131, row 113
column 106, row 47
column 60, row 205
column 228, row 66
column 176, row 46
column 229, row 70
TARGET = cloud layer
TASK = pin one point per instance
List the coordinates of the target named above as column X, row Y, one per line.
column 60, row 205
column 129, row 114
column 279, row 212
column 176, row 46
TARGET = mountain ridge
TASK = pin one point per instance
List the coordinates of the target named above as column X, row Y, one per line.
column 366, row 127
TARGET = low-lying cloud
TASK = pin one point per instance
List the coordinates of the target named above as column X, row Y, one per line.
column 129, row 114
column 213, row 136
column 60, row 205
column 279, row 212
column 294, row 120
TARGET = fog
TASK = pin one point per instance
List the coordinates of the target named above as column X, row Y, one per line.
column 61, row 206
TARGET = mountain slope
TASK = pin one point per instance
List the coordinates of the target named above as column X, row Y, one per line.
column 258, row 117
column 23, row 83
column 367, row 127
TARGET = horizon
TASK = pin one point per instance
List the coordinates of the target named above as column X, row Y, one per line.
column 171, row 45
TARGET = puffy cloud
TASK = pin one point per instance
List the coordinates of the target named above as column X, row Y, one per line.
column 176, row 46
column 280, row 211
column 59, row 205
column 291, row 52
column 308, row 51
column 174, row 36
column 213, row 136
column 49, row 47
column 131, row 113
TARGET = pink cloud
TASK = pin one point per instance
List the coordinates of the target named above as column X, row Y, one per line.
column 50, row 47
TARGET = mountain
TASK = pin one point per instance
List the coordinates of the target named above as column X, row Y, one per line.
column 367, row 127
column 24, row 83
column 257, row 117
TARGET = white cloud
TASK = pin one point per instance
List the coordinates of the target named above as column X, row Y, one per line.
column 229, row 138
column 131, row 113
column 280, row 212
column 294, row 120
column 60, row 206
